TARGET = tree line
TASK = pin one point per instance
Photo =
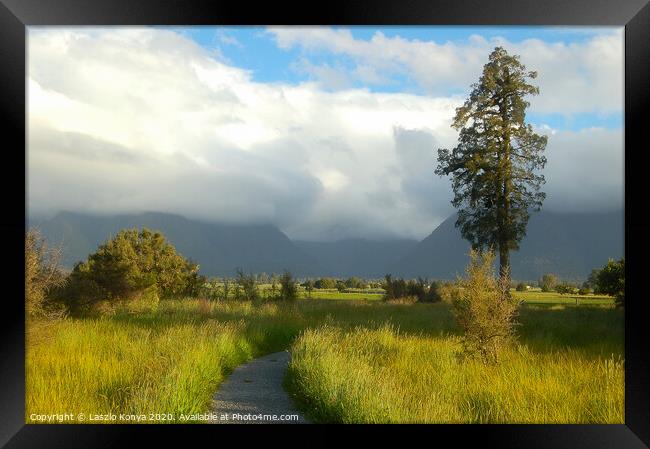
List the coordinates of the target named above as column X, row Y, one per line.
column 134, row 265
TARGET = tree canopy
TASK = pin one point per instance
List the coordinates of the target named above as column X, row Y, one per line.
column 611, row 280
column 129, row 263
column 494, row 165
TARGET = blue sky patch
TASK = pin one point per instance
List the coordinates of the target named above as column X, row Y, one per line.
column 254, row 49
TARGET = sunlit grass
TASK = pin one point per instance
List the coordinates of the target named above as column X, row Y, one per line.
column 328, row 294
column 383, row 376
column 173, row 359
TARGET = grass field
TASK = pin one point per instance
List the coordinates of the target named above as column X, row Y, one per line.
column 384, row 376
column 567, row 368
column 334, row 294
column 529, row 297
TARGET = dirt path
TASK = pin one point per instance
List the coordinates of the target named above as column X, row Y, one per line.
column 255, row 389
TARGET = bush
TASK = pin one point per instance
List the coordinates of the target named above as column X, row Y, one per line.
column 403, row 300
column 522, row 287
column 584, row 291
column 126, row 266
column 565, row 289
column 325, row 283
column 309, row 286
column 548, row 282
column 445, row 291
column 419, row 289
column 288, row 288
column 355, row 282
column 592, row 280
column 246, row 287
column 611, row 280
column 484, row 309
column 145, row 301
column 42, row 275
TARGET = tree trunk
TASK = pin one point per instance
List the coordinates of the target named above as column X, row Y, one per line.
column 504, row 269
column 506, row 170
column 504, row 261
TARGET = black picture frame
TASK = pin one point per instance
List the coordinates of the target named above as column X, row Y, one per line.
column 15, row 15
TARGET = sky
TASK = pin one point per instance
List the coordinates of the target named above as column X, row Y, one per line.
column 325, row 132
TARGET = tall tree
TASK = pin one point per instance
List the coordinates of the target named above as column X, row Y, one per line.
column 493, row 166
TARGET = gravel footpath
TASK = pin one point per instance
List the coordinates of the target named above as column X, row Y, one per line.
column 255, row 389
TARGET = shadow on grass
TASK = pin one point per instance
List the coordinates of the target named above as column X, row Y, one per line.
column 596, row 330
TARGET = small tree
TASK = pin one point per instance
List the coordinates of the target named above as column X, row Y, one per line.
column 128, row 265
column 42, row 273
column 483, row 309
column 522, row 287
column 288, row 289
column 194, row 281
column 584, row 290
column 325, row 283
column 274, row 288
column 592, row 280
column 225, row 289
column 565, row 288
column 354, row 282
column 548, row 282
column 309, row 287
column 248, row 285
column 611, row 280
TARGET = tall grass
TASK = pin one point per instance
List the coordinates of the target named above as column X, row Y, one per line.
column 383, row 376
column 168, row 361
column 172, row 359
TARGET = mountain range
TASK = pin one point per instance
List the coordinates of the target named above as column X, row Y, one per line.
column 566, row 244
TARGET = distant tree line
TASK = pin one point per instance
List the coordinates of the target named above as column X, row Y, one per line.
column 134, row 266
column 140, row 265
column 609, row 280
column 421, row 290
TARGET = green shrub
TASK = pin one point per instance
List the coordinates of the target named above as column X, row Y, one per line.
column 611, row 280
column 42, row 275
column 325, row 283
column 246, row 287
column 565, row 289
column 420, row 289
column 592, row 281
column 484, row 309
column 127, row 265
column 548, row 282
column 144, row 301
column 522, row 287
column 288, row 288
column 309, row 286
column 355, row 282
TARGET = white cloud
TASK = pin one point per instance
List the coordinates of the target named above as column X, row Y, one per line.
column 584, row 76
column 585, row 170
column 144, row 119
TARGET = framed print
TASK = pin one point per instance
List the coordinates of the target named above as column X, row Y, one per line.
column 414, row 216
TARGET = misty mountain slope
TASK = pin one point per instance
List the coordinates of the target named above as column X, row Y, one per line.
column 357, row 257
column 567, row 244
column 218, row 248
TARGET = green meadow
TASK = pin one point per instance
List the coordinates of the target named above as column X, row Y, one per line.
column 352, row 361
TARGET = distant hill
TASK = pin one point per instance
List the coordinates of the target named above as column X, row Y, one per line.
column 357, row 257
column 218, row 248
column 569, row 245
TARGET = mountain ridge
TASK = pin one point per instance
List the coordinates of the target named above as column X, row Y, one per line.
column 567, row 244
